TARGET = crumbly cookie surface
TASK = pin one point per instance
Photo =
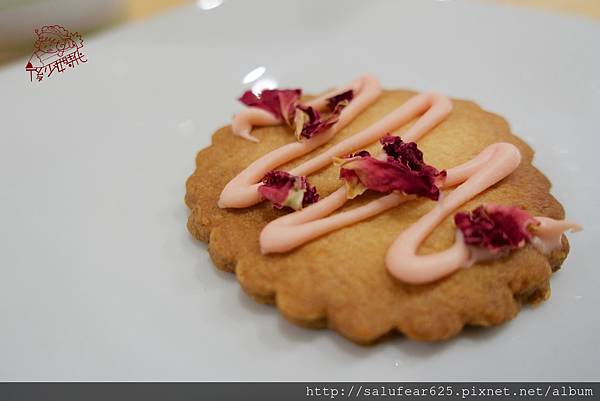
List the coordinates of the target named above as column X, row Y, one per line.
column 340, row 280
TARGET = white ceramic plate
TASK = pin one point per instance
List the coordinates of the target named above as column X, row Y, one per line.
column 99, row 278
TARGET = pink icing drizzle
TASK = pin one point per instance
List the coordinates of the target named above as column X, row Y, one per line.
column 242, row 192
column 492, row 165
column 290, row 231
column 548, row 235
column 245, row 119
column 278, row 235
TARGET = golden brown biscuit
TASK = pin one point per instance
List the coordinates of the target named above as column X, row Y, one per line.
column 340, row 280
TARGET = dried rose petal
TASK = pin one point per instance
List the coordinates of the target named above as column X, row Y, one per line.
column 342, row 98
column 402, row 170
column 284, row 104
column 279, row 102
column 497, row 228
column 409, row 155
column 310, row 196
column 354, row 186
column 284, row 189
column 308, row 122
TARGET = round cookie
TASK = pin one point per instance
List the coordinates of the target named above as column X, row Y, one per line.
column 340, row 280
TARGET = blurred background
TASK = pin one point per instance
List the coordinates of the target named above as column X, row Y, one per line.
column 19, row 18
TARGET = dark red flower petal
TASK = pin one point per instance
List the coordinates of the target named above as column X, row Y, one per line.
column 385, row 176
column 406, row 153
column 279, row 102
column 308, row 122
column 284, row 189
column 403, row 170
column 497, row 228
column 361, row 153
column 311, row 195
column 334, row 101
